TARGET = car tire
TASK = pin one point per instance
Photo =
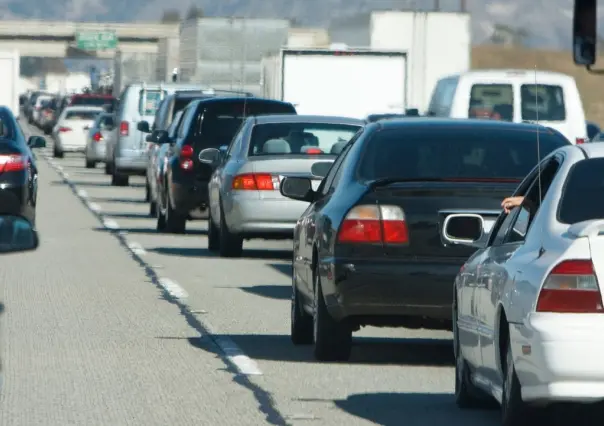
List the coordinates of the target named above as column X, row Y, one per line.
column 153, row 208
column 514, row 411
column 230, row 244
column 175, row 222
column 333, row 339
column 467, row 396
column 213, row 233
column 301, row 322
column 119, row 179
column 90, row 164
column 147, row 190
column 56, row 153
column 161, row 220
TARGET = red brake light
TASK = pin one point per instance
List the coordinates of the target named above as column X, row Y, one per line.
column 571, row 287
column 64, row 129
column 374, row 224
column 186, row 151
column 97, row 137
column 124, row 128
column 256, row 182
column 580, row 141
column 313, row 151
column 12, row 163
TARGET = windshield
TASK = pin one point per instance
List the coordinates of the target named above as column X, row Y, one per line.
column 81, row 115
column 149, row 101
column 468, row 152
column 582, row 194
column 542, row 102
column 221, row 120
column 300, row 138
column 494, row 101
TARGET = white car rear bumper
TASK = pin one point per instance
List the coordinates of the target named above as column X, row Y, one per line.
column 560, row 357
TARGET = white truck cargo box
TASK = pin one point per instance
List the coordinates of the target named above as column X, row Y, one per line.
column 348, row 82
column 9, row 75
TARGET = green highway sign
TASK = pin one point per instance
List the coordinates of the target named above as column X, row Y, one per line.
column 96, row 40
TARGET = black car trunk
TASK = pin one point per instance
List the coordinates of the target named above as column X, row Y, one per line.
column 426, row 205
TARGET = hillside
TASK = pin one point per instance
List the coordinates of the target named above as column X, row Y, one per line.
column 546, row 22
column 590, row 85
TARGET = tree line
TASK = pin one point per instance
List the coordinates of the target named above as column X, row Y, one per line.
column 173, row 15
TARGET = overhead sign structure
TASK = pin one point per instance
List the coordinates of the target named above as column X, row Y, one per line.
column 96, row 40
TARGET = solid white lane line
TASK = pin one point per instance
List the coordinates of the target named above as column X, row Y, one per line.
column 110, row 224
column 173, row 288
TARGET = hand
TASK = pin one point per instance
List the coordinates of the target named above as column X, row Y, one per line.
column 509, row 203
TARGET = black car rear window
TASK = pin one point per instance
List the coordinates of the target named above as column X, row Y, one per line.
column 469, row 152
column 583, row 193
column 91, row 101
column 221, row 120
column 7, row 126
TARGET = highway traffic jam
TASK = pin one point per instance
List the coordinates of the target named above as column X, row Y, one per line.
column 442, row 271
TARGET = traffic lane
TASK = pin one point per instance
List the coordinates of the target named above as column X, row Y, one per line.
column 247, row 300
column 89, row 340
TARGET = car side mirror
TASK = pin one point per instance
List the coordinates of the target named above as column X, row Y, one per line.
column 466, row 229
column 210, row 156
column 36, row 142
column 297, row 188
column 17, row 234
column 584, row 32
column 143, row 126
column 162, row 137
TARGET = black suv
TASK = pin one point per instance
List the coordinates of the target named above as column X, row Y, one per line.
column 206, row 123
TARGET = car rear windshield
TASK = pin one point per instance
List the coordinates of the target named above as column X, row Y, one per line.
column 90, row 100
column 494, row 101
column 300, row 138
column 542, row 102
column 583, row 193
column 468, row 152
column 81, row 115
column 149, row 100
column 221, row 120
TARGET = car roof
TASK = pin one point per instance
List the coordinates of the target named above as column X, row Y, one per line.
column 461, row 123
column 294, row 118
column 593, row 149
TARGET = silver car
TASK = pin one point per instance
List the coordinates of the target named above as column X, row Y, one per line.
column 96, row 141
column 244, row 196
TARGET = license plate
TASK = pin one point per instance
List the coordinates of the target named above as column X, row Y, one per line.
column 488, row 224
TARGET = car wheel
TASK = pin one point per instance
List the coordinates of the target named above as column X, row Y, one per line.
column 213, row 233
column 90, row 164
column 333, row 339
column 514, row 411
column 161, row 219
column 147, row 191
column 301, row 321
column 466, row 394
column 118, row 179
column 230, row 244
column 175, row 222
column 153, row 208
column 57, row 153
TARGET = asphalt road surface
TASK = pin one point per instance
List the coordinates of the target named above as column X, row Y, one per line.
column 112, row 323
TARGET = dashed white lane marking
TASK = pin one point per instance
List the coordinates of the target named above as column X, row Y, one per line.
column 59, row 167
column 110, row 224
column 94, row 207
column 136, row 248
column 65, row 175
column 82, row 194
column 243, row 363
column 173, row 288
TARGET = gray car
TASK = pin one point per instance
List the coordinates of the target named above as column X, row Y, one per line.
column 96, row 141
column 244, row 196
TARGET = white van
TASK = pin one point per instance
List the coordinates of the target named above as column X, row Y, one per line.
column 127, row 152
column 549, row 98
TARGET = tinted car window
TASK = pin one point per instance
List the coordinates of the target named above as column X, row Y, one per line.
column 583, row 194
column 81, row 115
column 494, row 101
column 147, row 105
column 221, row 120
column 542, row 102
column 7, row 126
column 92, row 101
column 468, row 152
column 299, row 138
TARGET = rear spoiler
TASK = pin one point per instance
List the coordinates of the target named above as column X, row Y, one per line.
column 587, row 228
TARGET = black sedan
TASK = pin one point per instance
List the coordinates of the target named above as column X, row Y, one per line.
column 368, row 250
column 18, row 170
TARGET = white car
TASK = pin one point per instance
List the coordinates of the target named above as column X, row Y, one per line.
column 528, row 318
column 71, row 131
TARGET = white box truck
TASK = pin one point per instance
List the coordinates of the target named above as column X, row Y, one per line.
column 9, row 75
column 338, row 81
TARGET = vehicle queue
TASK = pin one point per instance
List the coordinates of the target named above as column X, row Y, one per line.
column 383, row 214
